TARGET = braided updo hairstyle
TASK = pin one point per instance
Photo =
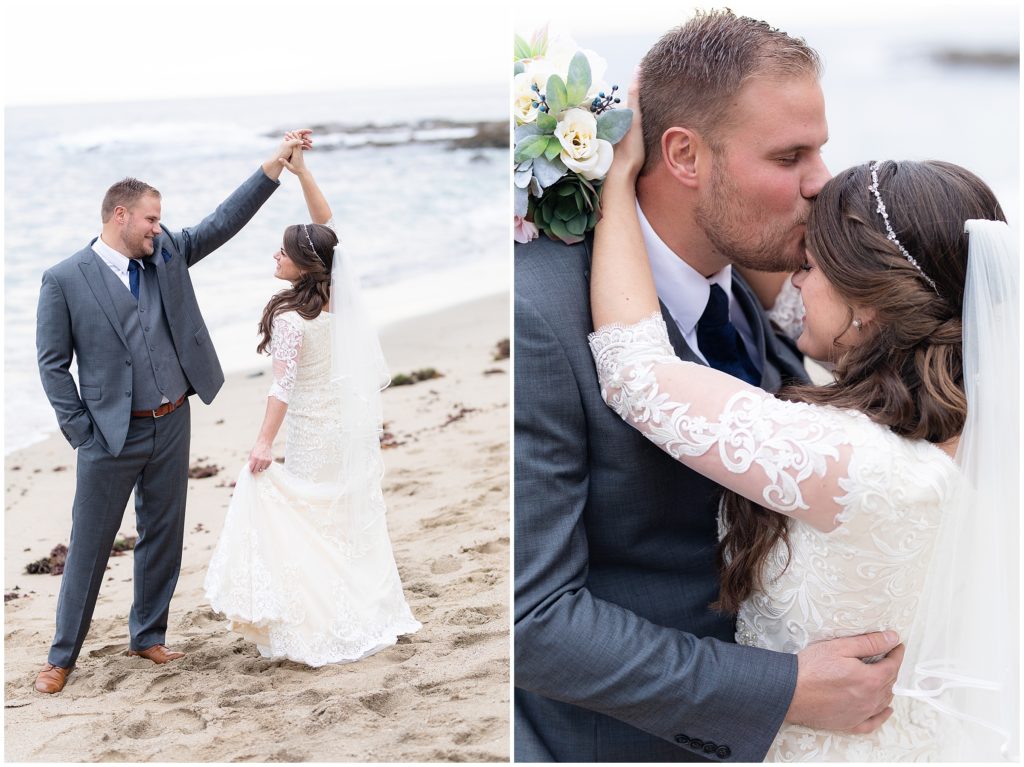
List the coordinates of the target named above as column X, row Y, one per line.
column 909, row 376
column 310, row 293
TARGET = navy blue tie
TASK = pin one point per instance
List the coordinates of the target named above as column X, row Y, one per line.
column 133, row 277
column 719, row 342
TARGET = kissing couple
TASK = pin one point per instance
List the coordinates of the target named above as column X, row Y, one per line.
column 303, row 566
column 715, row 559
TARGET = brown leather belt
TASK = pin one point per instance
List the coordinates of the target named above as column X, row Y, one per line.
column 164, row 409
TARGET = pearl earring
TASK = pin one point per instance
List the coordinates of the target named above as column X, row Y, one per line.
column 858, row 324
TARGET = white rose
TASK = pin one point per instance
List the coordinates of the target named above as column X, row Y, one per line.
column 596, row 167
column 537, row 73
column 582, row 151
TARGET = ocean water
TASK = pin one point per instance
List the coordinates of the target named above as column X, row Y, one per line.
column 426, row 226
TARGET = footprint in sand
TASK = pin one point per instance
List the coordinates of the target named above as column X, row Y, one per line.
column 383, row 702
column 490, row 547
column 110, row 649
column 473, row 616
column 446, row 564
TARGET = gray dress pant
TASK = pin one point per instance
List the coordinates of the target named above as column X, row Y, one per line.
column 155, row 462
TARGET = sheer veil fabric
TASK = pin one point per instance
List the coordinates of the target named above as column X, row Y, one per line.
column 963, row 650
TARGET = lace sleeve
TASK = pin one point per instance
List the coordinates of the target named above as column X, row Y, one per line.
column 788, row 311
column 788, row 456
column 285, row 344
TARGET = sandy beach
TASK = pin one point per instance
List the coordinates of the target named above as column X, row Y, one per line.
column 441, row 694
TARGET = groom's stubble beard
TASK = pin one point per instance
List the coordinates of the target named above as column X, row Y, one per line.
column 746, row 235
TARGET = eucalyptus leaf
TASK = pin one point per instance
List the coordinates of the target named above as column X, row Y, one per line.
column 527, row 129
column 523, row 49
column 523, row 175
column 546, row 122
column 553, row 149
column 535, row 188
column 556, row 96
column 519, row 68
column 578, row 82
column 613, row 124
column 522, row 201
column 547, row 172
column 530, row 147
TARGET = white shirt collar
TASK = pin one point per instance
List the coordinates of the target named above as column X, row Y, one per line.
column 682, row 289
column 113, row 258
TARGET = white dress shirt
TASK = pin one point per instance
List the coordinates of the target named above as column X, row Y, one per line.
column 118, row 262
column 685, row 291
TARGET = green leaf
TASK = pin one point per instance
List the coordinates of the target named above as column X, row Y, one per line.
column 555, row 94
column 547, row 172
column 527, row 129
column 546, row 122
column 530, row 147
column 523, row 49
column 554, row 149
column 613, row 124
column 518, row 69
column 560, row 230
column 565, row 190
column 577, row 225
column 579, row 79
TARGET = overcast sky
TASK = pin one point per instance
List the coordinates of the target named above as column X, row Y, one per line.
column 61, row 51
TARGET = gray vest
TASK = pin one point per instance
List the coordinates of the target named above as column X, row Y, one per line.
column 156, row 372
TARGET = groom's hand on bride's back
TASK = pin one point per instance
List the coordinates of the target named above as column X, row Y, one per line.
column 837, row 690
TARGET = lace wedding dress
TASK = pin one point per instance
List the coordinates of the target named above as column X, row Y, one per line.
column 865, row 505
column 290, row 571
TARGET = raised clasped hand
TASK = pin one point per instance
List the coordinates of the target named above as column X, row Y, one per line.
column 294, row 161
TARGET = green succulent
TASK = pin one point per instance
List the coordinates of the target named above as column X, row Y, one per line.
column 568, row 209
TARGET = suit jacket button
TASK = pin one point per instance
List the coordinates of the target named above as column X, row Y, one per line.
column 709, row 747
column 697, row 743
column 723, row 752
column 127, row 394
column 682, row 740
column 128, row 363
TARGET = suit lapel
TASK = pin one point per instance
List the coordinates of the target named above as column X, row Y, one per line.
column 169, row 289
column 90, row 265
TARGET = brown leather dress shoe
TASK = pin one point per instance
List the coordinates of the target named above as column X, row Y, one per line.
column 52, row 679
column 158, row 653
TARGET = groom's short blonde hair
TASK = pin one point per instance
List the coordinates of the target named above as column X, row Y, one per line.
column 694, row 72
column 125, row 193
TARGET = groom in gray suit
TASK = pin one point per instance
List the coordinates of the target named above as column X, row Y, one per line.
column 125, row 308
column 617, row 655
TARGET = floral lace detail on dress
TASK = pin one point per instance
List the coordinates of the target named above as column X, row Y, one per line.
column 790, row 442
column 285, row 344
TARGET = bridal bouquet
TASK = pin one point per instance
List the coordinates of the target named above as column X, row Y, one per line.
column 565, row 126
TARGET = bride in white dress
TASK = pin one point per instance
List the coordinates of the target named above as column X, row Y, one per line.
column 304, row 566
column 885, row 501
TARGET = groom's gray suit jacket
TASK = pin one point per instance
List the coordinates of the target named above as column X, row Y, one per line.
column 77, row 316
column 617, row 656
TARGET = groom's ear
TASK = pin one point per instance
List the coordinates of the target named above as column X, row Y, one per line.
column 679, row 151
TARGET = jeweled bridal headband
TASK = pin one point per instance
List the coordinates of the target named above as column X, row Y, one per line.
column 888, row 227
column 311, row 245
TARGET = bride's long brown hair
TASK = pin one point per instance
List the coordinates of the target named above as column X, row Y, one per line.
column 310, row 293
column 909, row 375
